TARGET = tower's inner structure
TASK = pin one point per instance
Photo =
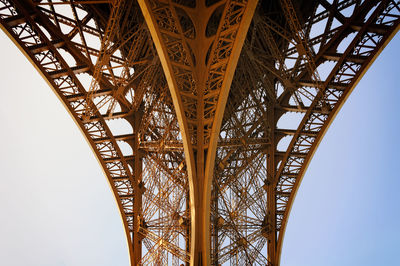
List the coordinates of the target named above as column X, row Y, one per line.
column 203, row 114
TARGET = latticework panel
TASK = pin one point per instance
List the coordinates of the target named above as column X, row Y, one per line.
column 162, row 88
column 288, row 86
column 117, row 94
column 239, row 223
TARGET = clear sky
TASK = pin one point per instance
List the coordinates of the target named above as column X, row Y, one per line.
column 347, row 209
column 56, row 207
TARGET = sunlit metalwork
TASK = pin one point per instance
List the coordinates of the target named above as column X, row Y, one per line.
column 203, row 114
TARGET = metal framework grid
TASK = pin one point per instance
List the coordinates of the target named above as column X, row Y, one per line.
column 203, row 114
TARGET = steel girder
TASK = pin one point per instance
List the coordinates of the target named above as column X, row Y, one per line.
column 203, row 114
column 154, row 210
column 199, row 63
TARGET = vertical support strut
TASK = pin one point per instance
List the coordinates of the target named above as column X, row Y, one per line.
column 138, row 190
column 270, row 220
column 199, row 56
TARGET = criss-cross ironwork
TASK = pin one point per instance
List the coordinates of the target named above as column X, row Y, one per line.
column 203, row 114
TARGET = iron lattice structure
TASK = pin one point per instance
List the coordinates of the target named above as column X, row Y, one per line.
column 203, row 114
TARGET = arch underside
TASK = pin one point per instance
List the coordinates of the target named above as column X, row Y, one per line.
column 136, row 141
column 276, row 113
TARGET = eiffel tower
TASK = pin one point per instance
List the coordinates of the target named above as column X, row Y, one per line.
column 226, row 102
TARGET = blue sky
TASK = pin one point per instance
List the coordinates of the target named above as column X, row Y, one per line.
column 347, row 208
column 57, row 209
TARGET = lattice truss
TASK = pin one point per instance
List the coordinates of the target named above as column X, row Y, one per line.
column 197, row 60
column 110, row 79
column 298, row 63
column 288, row 85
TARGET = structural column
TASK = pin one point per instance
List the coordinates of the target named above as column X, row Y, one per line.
column 199, row 47
column 138, row 189
column 270, row 218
